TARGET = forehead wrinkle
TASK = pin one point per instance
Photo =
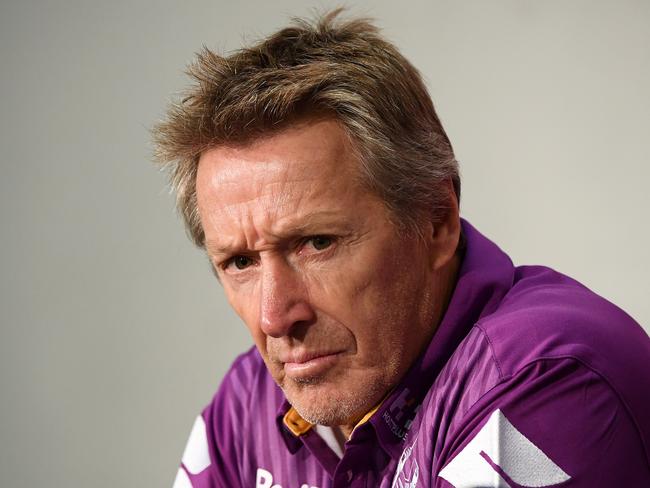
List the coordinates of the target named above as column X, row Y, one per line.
column 275, row 214
column 316, row 221
column 291, row 226
column 253, row 233
column 265, row 197
column 273, row 191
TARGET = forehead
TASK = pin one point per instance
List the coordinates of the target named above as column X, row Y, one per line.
column 280, row 179
column 311, row 146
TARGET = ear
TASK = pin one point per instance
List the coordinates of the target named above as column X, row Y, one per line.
column 446, row 233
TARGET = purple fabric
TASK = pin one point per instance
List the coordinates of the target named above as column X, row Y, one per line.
column 530, row 380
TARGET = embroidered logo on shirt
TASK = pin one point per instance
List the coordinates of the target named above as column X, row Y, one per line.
column 408, row 471
column 499, row 451
column 401, row 413
column 264, row 479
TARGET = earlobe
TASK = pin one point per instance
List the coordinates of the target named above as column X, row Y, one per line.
column 446, row 240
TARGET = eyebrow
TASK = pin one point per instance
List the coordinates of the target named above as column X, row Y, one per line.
column 311, row 224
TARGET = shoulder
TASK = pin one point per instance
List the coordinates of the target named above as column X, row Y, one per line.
column 548, row 315
column 553, row 421
column 570, row 387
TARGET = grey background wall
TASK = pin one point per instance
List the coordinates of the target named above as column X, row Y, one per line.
column 114, row 333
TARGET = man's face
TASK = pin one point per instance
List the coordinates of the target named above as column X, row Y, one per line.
column 338, row 304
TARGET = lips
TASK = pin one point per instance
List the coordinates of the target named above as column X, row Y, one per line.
column 300, row 357
column 300, row 365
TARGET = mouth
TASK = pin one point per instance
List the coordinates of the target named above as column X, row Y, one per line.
column 304, row 366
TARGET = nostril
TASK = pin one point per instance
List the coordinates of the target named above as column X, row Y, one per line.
column 299, row 329
column 279, row 319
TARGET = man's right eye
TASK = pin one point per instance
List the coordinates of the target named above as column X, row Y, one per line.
column 240, row 262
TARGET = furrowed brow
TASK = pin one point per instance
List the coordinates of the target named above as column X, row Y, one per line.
column 310, row 224
column 314, row 223
column 216, row 250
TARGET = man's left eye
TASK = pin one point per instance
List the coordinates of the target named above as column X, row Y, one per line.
column 320, row 242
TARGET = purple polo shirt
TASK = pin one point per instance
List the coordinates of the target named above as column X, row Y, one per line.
column 530, row 380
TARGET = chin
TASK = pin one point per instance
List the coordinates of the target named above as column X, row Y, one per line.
column 330, row 404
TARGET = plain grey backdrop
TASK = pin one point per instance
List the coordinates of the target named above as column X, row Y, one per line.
column 114, row 334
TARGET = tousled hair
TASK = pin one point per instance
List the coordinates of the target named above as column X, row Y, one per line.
column 329, row 67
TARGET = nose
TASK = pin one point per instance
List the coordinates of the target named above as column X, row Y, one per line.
column 284, row 299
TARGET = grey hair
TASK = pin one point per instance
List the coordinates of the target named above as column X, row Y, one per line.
column 327, row 67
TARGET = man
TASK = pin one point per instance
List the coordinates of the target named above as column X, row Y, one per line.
column 395, row 345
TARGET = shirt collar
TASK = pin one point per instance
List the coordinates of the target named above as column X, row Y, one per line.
column 485, row 276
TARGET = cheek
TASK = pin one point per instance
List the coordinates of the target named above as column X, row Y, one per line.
column 352, row 297
column 367, row 288
column 334, row 291
column 377, row 299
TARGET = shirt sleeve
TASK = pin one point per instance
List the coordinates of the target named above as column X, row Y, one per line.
column 554, row 423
